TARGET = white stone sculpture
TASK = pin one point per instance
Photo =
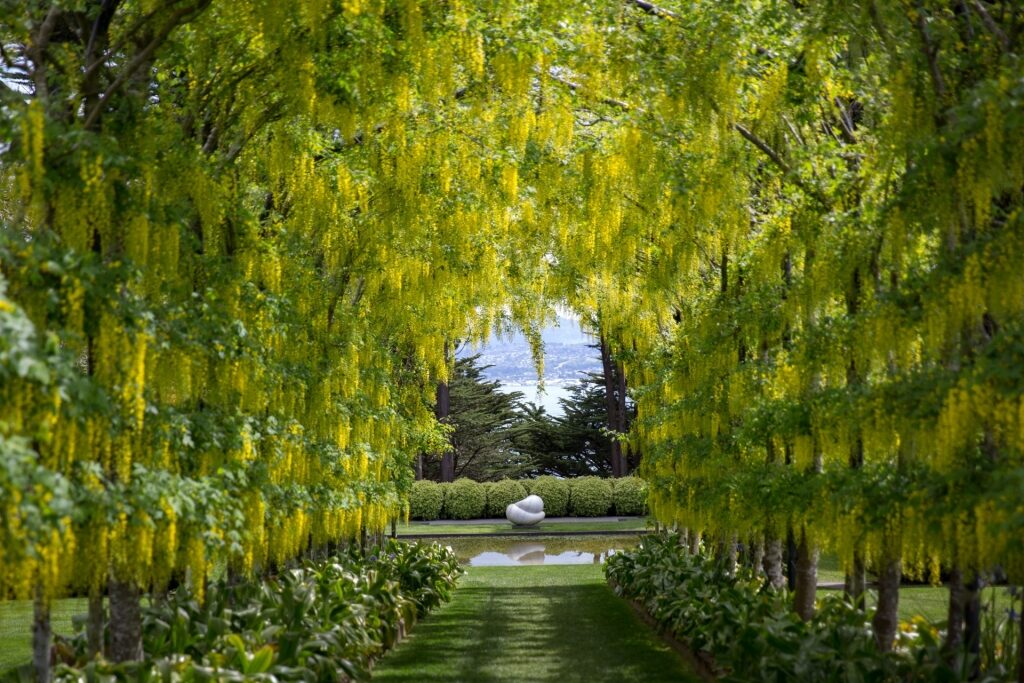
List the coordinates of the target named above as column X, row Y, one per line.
column 527, row 512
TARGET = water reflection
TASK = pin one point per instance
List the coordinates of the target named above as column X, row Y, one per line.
column 508, row 552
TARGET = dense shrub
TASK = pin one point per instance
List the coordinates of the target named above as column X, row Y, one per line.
column 751, row 634
column 426, row 500
column 589, row 496
column 322, row 621
column 629, row 494
column 500, row 494
column 554, row 492
column 464, row 499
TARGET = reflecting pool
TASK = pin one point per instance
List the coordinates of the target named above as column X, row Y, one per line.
column 508, row 551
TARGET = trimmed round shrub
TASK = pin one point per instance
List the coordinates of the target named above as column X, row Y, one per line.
column 426, row 500
column 554, row 492
column 502, row 493
column 589, row 496
column 464, row 499
column 629, row 495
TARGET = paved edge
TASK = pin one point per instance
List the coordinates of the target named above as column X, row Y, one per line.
column 518, row 534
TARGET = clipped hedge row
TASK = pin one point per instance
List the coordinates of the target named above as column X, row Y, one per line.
column 580, row 497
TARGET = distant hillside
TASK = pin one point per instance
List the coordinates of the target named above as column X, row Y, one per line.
column 567, row 354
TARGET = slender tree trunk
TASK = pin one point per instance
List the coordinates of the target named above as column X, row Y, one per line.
column 95, row 622
column 791, row 560
column 856, row 580
column 972, row 623
column 694, row 542
column 419, row 467
column 755, row 555
column 806, row 578
column 442, row 410
column 42, row 637
column 955, row 621
column 621, row 414
column 125, row 621
column 730, row 556
column 886, row 619
column 1020, row 647
column 773, row 563
column 608, row 366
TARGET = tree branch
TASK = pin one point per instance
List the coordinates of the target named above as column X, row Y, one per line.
column 781, row 163
column 991, row 25
column 179, row 17
column 651, row 8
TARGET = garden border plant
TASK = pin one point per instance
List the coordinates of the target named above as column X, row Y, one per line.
column 745, row 631
column 310, row 622
column 579, row 497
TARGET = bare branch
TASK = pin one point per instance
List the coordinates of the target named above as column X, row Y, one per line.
column 991, row 25
column 179, row 17
column 651, row 8
column 572, row 85
column 781, row 163
column 931, row 51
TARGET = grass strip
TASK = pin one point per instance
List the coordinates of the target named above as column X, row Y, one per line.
column 543, row 623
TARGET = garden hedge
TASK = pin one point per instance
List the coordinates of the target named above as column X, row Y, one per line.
column 500, row 494
column 426, row 500
column 580, row 497
column 629, row 495
column 464, row 499
column 589, row 497
column 554, row 492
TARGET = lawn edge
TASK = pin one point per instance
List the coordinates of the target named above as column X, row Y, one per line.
column 700, row 662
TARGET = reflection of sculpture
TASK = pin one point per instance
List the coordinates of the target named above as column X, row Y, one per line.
column 527, row 512
column 526, row 553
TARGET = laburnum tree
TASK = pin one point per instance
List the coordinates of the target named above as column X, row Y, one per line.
column 239, row 237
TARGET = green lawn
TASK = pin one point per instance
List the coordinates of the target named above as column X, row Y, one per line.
column 16, row 627
column 503, row 527
column 543, row 623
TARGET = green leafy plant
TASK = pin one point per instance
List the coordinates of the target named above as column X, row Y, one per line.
column 747, row 632
column 629, row 495
column 464, row 499
column 426, row 500
column 500, row 494
column 589, row 497
column 309, row 623
column 554, row 492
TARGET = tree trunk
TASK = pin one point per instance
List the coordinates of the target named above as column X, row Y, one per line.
column 791, row 556
column 806, row 578
column 694, row 542
column 95, row 622
column 972, row 623
column 855, row 581
column 1020, row 647
column 125, row 622
column 419, row 467
column 41, row 637
column 621, row 414
column 773, row 563
column 755, row 555
column 612, row 403
column 955, row 621
column 442, row 410
column 886, row 619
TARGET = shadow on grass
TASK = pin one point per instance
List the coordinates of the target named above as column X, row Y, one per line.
column 545, row 633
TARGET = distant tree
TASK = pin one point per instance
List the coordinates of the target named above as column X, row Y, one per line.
column 577, row 443
column 485, row 424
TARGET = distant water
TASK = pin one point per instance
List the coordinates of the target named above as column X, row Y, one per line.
column 568, row 356
column 553, row 390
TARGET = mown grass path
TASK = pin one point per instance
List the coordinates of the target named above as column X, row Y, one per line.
column 539, row 623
